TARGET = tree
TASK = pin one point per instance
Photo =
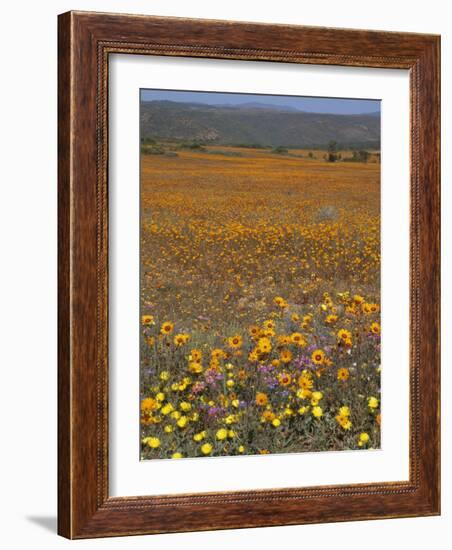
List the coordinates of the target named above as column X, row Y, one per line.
column 360, row 156
column 332, row 151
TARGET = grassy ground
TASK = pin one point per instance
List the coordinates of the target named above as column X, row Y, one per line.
column 252, row 263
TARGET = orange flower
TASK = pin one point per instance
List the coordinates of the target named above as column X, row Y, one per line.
column 167, row 327
column 285, row 355
column 343, row 374
column 235, row 341
column 284, row 378
column 318, row 356
column 261, row 399
column 298, row 338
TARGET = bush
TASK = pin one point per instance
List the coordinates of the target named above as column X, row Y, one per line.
column 327, row 214
column 280, row 150
column 194, row 145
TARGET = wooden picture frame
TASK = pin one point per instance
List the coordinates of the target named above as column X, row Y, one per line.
column 86, row 40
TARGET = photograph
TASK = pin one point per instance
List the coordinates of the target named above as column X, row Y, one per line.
column 260, row 264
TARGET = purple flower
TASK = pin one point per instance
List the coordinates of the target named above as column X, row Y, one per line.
column 198, row 387
column 212, row 376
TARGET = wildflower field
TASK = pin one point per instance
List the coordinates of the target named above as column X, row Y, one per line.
column 260, row 292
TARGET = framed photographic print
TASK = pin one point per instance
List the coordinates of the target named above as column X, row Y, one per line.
column 248, row 275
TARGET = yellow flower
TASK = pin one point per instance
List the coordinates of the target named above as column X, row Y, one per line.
column 195, row 367
column 363, row 437
column 302, row 410
column 343, row 421
column 318, row 395
column 331, row 319
column 317, row 411
column 147, row 320
column 160, row 396
column 305, row 380
column 344, row 335
column 150, row 341
column 176, row 455
column 167, row 328
column 343, row 374
column 181, row 339
column 168, row 429
column 372, row 402
column 231, row 434
column 280, row 302
column 276, row 422
column 285, row 356
column 182, row 422
column 253, row 331
column 318, row 356
column 230, row 383
column 235, row 403
column 298, row 339
column 195, row 355
column 284, row 340
column 375, row 328
column 221, row 434
column 369, row 308
column 303, row 394
column 200, row 436
column 218, row 353
column 184, row 406
column 206, row 449
column 235, row 341
column 344, row 411
column 284, row 378
column 264, row 345
column 154, row 442
column 167, row 409
column 164, row 375
column 269, row 324
column 241, row 449
column 253, row 356
column 231, row 419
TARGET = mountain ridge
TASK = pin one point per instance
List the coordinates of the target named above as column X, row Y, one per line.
column 258, row 123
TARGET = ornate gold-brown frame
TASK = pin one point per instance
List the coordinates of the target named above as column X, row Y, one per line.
column 85, row 42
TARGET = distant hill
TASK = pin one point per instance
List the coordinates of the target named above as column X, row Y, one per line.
column 256, row 123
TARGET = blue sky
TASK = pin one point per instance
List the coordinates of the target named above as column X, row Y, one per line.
column 309, row 104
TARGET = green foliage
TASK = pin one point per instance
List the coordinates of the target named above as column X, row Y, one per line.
column 358, row 156
column 152, row 150
column 280, row 150
column 193, row 146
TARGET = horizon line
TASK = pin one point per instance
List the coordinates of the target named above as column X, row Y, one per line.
column 269, row 107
